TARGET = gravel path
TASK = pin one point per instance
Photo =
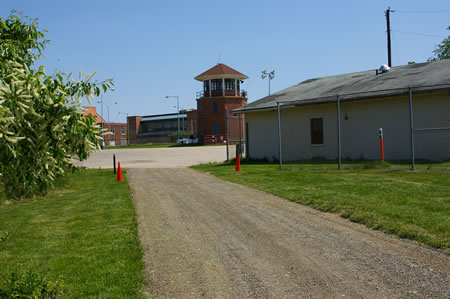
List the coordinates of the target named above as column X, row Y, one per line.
column 204, row 237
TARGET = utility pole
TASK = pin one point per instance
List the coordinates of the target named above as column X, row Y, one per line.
column 388, row 26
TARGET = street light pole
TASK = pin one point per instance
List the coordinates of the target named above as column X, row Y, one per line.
column 103, row 120
column 109, row 124
column 128, row 128
column 101, row 114
column 178, row 109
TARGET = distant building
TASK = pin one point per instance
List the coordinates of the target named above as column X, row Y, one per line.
column 119, row 131
column 157, row 128
column 119, row 134
column 221, row 94
column 93, row 111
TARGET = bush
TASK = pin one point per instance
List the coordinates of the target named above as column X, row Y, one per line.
column 30, row 285
column 41, row 122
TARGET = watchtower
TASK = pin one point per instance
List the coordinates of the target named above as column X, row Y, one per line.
column 221, row 92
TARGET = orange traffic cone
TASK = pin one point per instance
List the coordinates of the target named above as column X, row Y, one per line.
column 119, row 174
column 238, row 163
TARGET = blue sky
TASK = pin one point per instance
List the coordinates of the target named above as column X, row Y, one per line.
column 155, row 48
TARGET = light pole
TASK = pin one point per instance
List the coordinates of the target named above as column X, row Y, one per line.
column 103, row 120
column 109, row 123
column 128, row 128
column 101, row 114
column 270, row 77
column 178, row 109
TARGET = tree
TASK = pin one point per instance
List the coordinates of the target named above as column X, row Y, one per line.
column 442, row 51
column 41, row 122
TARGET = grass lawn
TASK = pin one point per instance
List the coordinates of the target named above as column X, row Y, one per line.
column 84, row 232
column 393, row 199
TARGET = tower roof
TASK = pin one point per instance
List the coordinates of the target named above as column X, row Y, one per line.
column 220, row 71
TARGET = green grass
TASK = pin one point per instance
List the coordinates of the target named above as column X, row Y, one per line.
column 84, row 232
column 387, row 197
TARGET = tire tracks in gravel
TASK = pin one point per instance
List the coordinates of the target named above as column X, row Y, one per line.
column 205, row 237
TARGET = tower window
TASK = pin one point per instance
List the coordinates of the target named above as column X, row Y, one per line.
column 206, row 86
column 215, row 129
column 216, row 84
column 202, row 130
column 229, row 84
column 215, row 107
column 201, row 108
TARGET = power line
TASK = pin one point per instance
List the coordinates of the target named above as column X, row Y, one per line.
column 423, row 11
column 396, row 49
column 416, row 33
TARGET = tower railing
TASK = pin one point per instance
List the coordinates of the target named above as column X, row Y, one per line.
column 215, row 93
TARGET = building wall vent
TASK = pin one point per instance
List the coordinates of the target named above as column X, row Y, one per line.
column 383, row 69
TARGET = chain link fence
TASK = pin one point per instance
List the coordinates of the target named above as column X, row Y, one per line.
column 414, row 121
column 234, row 136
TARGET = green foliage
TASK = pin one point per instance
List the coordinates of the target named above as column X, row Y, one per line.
column 30, row 285
column 442, row 51
column 3, row 236
column 41, row 124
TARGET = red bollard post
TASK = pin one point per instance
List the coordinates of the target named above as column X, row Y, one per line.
column 381, row 145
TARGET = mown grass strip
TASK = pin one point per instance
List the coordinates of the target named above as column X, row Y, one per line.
column 393, row 199
column 84, row 232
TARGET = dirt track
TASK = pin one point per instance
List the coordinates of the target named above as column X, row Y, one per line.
column 204, row 237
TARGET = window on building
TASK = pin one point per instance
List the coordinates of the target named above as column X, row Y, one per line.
column 215, row 107
column 122, row 131
column 229, row 84
column 215, row 129
column 113, row 130
column 206, row 86
column 316, row 130
column 202, row 130
column 216, row 84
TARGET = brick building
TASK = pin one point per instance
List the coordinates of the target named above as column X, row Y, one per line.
column 221, row 94
column 119, row 131
column 119, row 134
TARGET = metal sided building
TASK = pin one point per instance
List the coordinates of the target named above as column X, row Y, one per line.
column 156, row 128
column 339, row 117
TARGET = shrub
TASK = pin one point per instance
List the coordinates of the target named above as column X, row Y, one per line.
column 30, row 285
column 41, row 123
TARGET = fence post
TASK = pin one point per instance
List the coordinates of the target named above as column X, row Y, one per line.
column 338, row 110
column 240, row 135
column 226, row 132
column 411, row 126
column 279, row 137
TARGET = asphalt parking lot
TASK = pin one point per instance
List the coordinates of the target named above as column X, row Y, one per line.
column 171, row 157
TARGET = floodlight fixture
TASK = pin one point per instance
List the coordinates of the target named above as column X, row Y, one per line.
column 270, row 76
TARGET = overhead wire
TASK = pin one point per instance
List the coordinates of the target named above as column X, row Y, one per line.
column 396, row 49
column 416, row 33
column 423, row 11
